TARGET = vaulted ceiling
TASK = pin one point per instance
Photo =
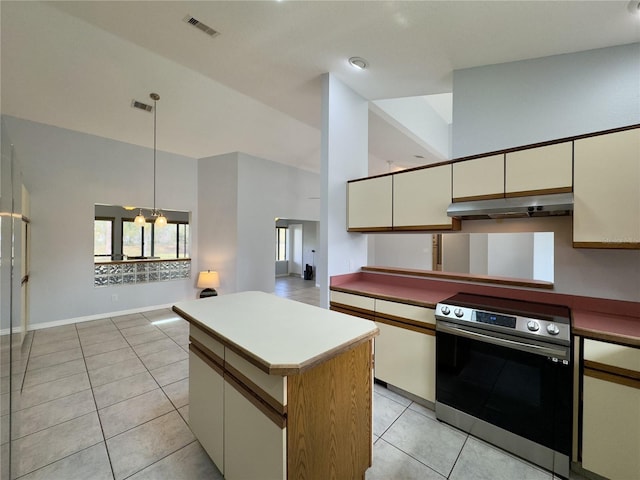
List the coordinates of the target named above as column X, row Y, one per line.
column 256, row 87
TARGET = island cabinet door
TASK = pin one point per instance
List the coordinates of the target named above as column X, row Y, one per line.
column 206, row 407
column 255, row 441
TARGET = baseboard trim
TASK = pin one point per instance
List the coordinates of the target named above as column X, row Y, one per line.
column 98, row 316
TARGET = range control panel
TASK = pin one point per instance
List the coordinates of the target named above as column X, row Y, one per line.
column 556, row 331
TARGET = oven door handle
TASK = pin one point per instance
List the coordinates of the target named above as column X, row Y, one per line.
column 560, row 353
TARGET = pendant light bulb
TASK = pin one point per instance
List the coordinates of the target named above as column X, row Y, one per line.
column 139, row 220
column 161, row 220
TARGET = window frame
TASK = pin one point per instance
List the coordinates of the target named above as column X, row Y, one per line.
column 112, row 220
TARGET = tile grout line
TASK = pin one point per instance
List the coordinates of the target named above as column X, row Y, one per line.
column 458, row 456
column 411, row 456
column 160, row 459
column 104, row 439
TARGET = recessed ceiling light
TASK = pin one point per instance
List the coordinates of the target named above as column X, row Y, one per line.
column 418, row 156
column 358, row 62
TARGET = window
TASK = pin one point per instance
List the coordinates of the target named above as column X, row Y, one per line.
column 136, row 241
column 103, row 237
column 281, row 243
column 169, row 241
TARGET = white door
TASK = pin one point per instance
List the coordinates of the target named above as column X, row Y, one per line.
column 295, row 249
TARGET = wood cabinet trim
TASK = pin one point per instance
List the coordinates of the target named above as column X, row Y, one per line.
column 255, row 389
column 369, row 229
column 616, row 338
column 544, row 191
column 610, row 377
column 489, row 196
column 605, row 368
column 266, row 409
column 616, row 245
column 389, row 298
column 349, row 310
column 406, row 323
column 510, row 150
column 461, row 276
column 455, row 225
column 203, row 353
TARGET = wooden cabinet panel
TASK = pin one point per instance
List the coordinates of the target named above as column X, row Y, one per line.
column 539, row 170
column 369, row 204
column 607, row 191
column 329, row 418
column 402, row 310
column 206, row 410
column 480, row 178
column 421, row 198
column 611, row 429
column 406, row 359
column 254, row 446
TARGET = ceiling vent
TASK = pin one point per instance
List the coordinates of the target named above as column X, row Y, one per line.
column 201, row 26
column 141, row 106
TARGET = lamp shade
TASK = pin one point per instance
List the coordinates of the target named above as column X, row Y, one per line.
column 208, row 279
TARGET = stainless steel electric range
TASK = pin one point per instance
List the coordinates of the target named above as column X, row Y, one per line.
column 504, row 374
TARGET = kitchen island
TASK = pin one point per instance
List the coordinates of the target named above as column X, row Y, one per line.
column 279, row 389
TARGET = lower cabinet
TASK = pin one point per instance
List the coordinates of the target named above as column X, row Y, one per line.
column 406, row 359
column 206, row 406
column 405, row 349
column 611, row 410
column 316, row 423
column 250, row 434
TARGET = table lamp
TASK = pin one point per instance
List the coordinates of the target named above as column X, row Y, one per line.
column 209, row 281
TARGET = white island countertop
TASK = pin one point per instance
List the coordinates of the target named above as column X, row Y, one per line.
column 278, row 335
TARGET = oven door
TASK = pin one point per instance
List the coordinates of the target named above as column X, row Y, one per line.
column 522, row 388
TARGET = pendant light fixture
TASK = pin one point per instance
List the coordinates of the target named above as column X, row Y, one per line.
column 160, row 219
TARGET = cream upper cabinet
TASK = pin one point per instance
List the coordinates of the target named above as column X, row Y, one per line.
column 540, row 170
column 606, row 190
column 369, row 204
column 480, row 178
column 421, row 198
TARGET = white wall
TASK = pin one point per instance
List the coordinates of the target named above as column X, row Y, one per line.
column 510, row 255
column 217, row 218
column 407, row 250
column 239, row 198
column 543, row 256
column 344, row 156
column 66, row 173
column 519, row 103
column 457, row 254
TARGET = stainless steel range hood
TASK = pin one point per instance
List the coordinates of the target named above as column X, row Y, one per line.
column 517, row 207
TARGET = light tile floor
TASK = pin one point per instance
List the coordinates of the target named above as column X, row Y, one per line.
column 108, row 399
column 298, row 289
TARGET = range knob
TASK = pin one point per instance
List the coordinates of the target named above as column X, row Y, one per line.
column 458, row 312
column 553, row 329
column 445, row 310
column 533, row 325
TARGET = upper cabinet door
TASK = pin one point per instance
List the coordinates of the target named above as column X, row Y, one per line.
column 479, row 179
column 541, row 170
column 369, row 204
column 421, row 198
column 606, row 212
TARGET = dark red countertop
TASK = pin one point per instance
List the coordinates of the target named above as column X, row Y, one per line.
column 598, row 318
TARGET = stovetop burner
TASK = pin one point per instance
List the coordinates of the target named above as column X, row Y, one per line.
column 536, row 321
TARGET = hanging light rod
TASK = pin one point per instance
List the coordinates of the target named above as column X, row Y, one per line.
column 160, row 219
